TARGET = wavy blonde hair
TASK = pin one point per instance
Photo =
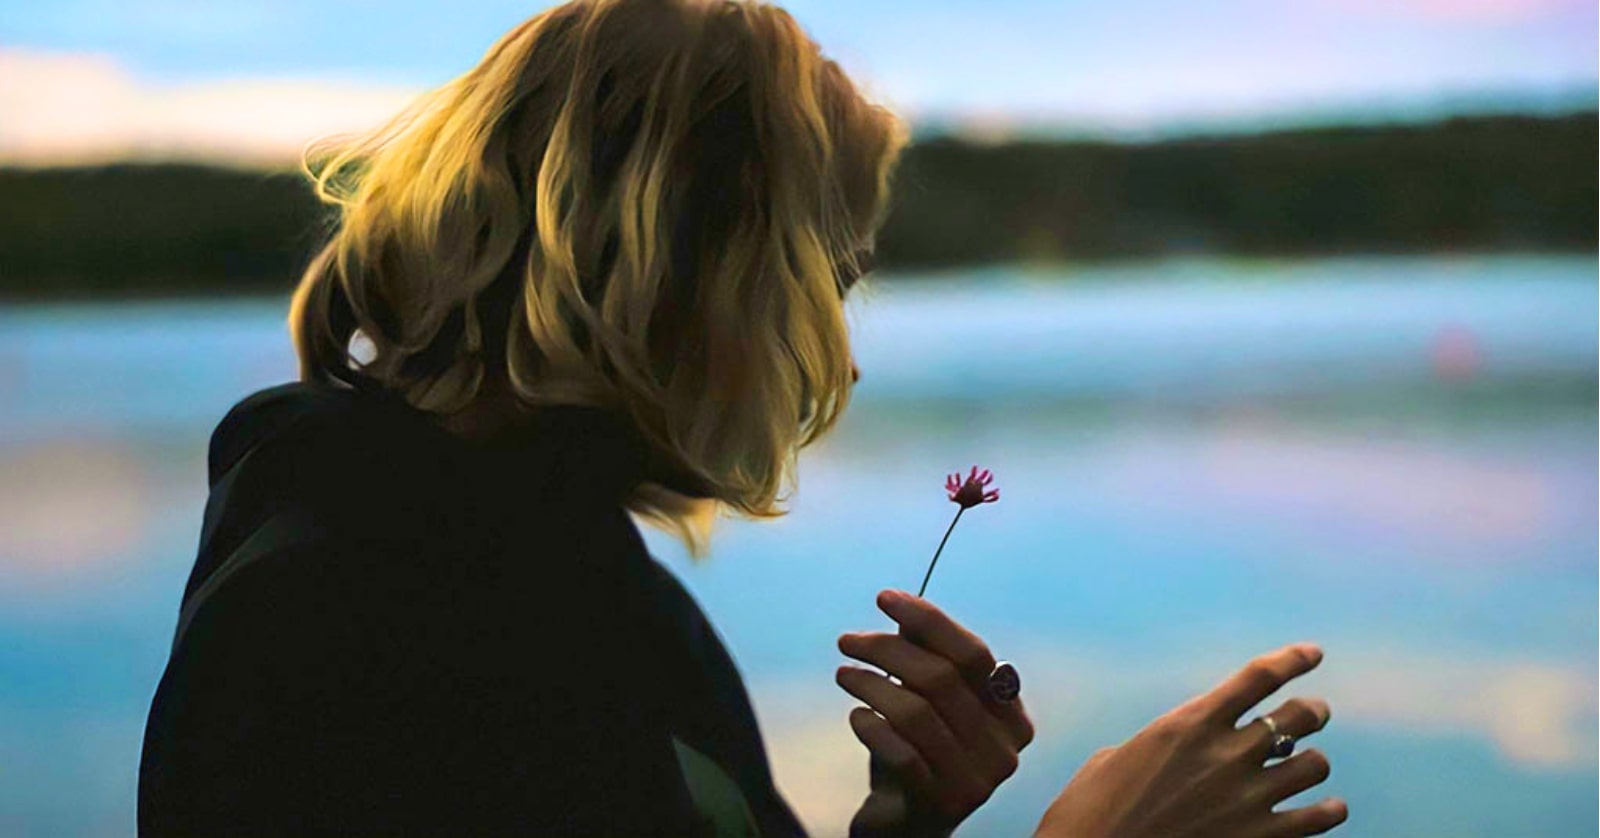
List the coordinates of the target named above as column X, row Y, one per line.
column 653, row 206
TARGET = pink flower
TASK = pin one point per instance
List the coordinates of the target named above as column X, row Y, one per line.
column 973, row 490
column 968, row 493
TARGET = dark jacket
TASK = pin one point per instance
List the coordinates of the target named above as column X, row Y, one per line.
column 391, row 631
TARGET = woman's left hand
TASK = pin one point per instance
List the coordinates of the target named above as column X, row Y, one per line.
column 943, row 742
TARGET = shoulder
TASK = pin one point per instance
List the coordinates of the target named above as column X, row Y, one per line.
column 302, row 412
column 365, row 467
column 299, row 468
column 346, row 456
column 375, row 492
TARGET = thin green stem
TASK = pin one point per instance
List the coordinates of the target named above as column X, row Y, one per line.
column 936, row 553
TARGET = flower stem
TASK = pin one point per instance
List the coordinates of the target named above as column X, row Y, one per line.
column 936, row 553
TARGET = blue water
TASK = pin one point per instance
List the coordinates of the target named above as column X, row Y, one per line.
column 1199, row 460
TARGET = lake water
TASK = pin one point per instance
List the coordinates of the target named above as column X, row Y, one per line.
column 1200, row 460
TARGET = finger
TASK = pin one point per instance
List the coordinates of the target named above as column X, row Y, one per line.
column 896, row 754
column 883, row 812
column 925, row 625
column 1292, row 776
column 1298, row 717
column 1015, row 717
column 1307, row 820
column 918, row 724
column 1258, row 679
column 1302, row 716
column 936, row 679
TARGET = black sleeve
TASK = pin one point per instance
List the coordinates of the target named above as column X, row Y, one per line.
column 712, row 708
column 296, row 710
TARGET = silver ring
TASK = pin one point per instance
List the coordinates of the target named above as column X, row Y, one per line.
column 1005, row 683
column 1282, row 743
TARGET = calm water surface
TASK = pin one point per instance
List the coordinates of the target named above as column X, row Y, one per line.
column 1200, row 460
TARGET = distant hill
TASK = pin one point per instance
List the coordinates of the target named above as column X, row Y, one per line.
column 1482, row 183
column 1474, row 183
column 140, row 229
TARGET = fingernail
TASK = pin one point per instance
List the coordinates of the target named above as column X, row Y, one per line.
column 889, row 597
column 1314, row 651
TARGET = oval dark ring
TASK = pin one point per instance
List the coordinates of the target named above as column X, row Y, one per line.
column 1005, row 683
column 1282, row 746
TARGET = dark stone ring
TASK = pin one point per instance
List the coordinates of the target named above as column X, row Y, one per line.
column 1004, row 682
column 1282, row 743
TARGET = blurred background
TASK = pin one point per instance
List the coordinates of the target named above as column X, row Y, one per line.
column 1276, row 321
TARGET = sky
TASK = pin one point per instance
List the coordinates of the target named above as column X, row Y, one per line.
column 84, row 79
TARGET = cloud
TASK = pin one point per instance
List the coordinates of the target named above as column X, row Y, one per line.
column 1537, row 715
column 73, row 108
column 816, row 760
column 68, row 508
column 1431, row 493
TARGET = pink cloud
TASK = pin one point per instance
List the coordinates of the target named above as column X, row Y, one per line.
column 66, row 108
column 1400, row 487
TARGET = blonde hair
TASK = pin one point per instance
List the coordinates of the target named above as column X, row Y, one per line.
column 652, row 206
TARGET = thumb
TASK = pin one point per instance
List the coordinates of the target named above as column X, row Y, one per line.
column 883, row 814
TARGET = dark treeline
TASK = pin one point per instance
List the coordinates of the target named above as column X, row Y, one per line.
column 1472, row 183
column 1484, row 183
column 137, row 229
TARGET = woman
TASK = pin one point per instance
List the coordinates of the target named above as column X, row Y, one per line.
column 599, row 274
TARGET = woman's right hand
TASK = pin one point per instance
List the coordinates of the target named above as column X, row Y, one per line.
column 1194, row 773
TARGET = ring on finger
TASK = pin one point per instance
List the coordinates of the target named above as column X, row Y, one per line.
column 1004, row 682
column 1282, row 743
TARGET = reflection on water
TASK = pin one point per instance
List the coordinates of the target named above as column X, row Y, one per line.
column 1200, row 461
